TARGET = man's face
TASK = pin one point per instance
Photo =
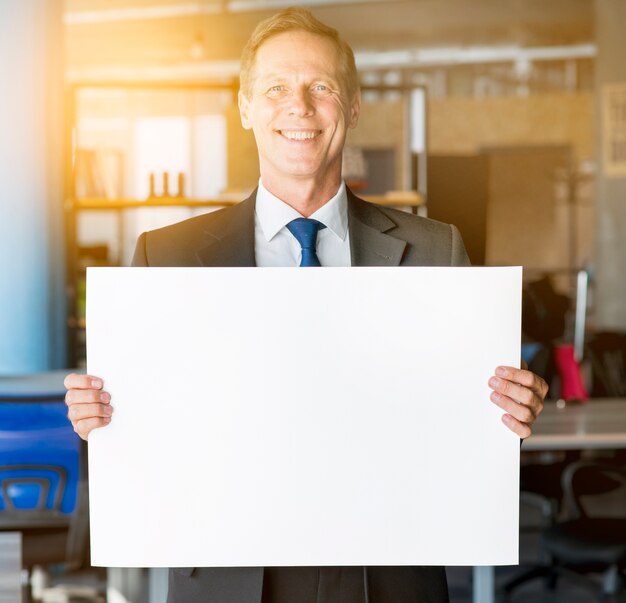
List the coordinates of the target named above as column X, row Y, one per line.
column 299, row 107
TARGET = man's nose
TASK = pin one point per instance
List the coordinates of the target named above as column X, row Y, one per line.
column 301, row 103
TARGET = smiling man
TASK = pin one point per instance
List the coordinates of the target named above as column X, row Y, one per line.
column 299, row 95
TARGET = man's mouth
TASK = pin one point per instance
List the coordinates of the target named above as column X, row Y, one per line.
column 300, row 134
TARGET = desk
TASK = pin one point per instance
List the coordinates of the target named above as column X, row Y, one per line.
column 595, row 425
column 42, row 386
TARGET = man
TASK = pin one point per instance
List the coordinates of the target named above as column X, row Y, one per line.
column 299, row 95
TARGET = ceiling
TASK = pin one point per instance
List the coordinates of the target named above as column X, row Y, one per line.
column 109, row 34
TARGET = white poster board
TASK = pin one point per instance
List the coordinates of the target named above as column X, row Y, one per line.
column 277, row 416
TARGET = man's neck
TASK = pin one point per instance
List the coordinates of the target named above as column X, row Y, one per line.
column 305, row 196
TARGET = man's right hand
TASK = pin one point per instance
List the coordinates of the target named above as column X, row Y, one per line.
column 89, row 406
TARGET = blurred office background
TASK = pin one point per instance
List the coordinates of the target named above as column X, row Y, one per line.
column 505, row 117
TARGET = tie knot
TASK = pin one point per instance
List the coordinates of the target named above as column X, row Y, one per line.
column 305, row 231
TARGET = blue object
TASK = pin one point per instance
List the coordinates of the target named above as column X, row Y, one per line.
column 530, row 350
column 39, row 457
column 25, row 496
column 305, row 231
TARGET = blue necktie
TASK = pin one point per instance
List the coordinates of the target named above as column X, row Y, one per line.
column 305, row 231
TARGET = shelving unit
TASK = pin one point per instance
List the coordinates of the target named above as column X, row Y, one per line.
column 74, row 206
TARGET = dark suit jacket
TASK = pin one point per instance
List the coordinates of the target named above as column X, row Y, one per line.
column 379, row 236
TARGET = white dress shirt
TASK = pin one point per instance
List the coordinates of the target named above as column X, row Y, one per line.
column 274, row 245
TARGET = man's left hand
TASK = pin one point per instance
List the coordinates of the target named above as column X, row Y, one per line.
column 520, row 393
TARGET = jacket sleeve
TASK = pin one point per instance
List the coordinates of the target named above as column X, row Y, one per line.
column 140, row 257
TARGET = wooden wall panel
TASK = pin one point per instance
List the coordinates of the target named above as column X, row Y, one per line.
column 465, row 125
column 524, row 224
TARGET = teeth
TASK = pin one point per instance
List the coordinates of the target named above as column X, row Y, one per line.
column 297, row 135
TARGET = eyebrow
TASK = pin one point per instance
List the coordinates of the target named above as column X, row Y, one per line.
column 271, row 76
column 278, row 77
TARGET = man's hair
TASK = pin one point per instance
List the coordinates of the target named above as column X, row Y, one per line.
column 296, row 19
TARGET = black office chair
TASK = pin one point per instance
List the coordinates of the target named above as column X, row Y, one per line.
column 590, row 541
column 544, row 484
column 540, row 487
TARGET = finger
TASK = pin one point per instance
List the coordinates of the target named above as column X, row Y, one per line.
column 76, row 381
column 86, row 426
column 78, row 412
column 523, row 377
column 519, row 393
column 521, row 412
column 86, row 396
column 521, row 429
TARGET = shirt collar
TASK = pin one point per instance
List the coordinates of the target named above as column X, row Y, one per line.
column 274, row 214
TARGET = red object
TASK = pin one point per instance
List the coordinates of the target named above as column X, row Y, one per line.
column 572, row 386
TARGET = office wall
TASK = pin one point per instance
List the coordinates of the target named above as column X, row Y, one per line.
column 611, row 231
column 465, row 125
column 513, row 206
column 527, row 215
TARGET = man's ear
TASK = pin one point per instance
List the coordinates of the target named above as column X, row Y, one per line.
column 355, row 109
column 244, row 109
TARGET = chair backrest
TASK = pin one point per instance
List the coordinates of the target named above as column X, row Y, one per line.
column 39, row 459
column 607, row 352
column 603, row 480
column 36, row 487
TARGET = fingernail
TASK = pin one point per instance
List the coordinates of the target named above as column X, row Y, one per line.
column 107, row 419
column 105, row 397
column 501, row 371
column 108, row 410
column 494, row 382
column 96, row 383
column 495, row 396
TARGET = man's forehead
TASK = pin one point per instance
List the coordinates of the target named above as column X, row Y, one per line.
column 274, row 64
column 298, row 47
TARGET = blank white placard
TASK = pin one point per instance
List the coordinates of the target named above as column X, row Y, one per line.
column 277, row 416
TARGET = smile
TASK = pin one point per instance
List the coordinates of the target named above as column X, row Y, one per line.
column 299, row 134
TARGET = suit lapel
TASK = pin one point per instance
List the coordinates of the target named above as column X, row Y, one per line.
column 370, row 245
column 230, row 239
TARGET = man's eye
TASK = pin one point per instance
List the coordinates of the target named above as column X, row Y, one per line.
column 276, row 90
column 321, row 88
